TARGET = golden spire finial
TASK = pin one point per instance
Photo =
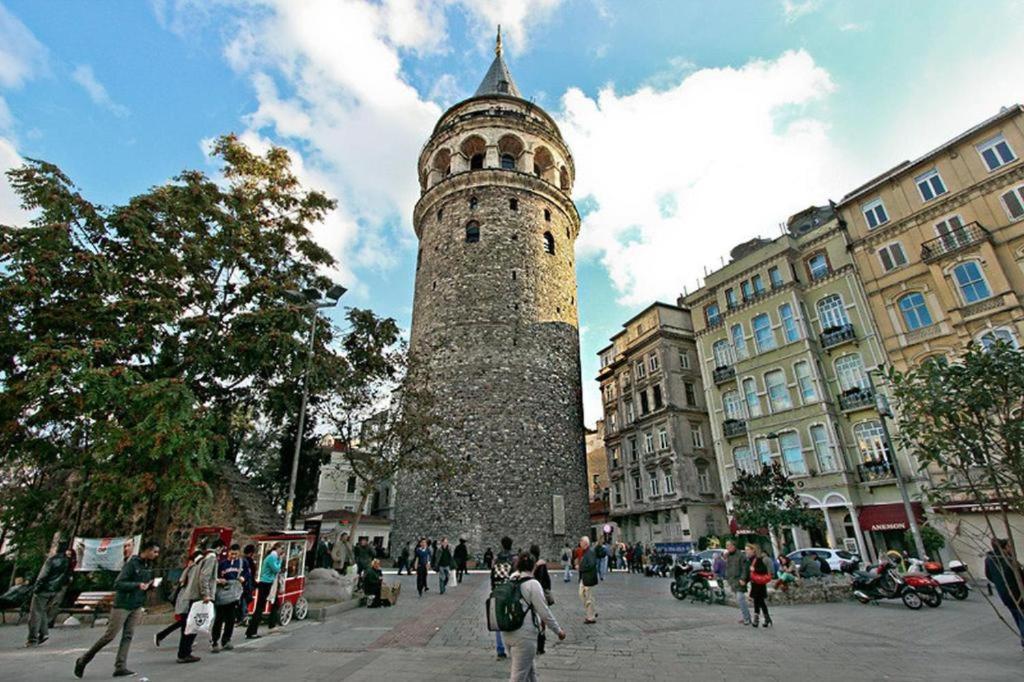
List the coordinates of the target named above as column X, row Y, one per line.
column 497, row 43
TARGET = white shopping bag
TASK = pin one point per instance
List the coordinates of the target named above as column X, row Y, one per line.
column 200, row 618
column 452, row 582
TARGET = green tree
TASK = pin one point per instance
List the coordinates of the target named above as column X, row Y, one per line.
column 140, row 341
column 768, row 500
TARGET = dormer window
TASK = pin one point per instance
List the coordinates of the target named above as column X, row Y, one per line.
column 930, row 185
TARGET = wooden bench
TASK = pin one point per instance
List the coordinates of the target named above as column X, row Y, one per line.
column 92, row 604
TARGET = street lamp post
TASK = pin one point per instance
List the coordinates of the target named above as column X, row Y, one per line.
column 882, row 405
column 312, row 302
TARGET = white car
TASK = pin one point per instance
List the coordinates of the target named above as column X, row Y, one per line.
column 836, row 558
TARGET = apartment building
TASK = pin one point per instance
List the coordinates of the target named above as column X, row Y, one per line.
column 664, row 484
column 786, row 342
column 939, row 245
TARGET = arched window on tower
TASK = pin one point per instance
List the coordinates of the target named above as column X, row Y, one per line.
column 510, row 148
column 563, row 179
column 474, row 149
column 542, row 162
column 472, row 232
column 508, row 162
column 476, row 162
column 549, row 243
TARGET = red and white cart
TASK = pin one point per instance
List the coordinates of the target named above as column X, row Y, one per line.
column 292, row 579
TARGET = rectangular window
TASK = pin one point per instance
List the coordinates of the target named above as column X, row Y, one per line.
column 764, row 337
column 817, row 266
column 739, row 342
column 892, row 256
column 930, row 185
column 697, row 435
column 656, row 391
column 764, row 451
column 996, row 152
column 633, row 452
column 952, row 232
column 630, row 413
column 743, row 460
column 753, row 401
column 350, row 486
column 615, row 457
column 732, row 405
column 684, row 359
column 789, row 328
column 822, row 449
column 640, row 370
column 618, row 492
column 748, row 291
column 730, row 298
column 805, row 381
column 691, row 395
column 670, row 485
column 663, row 439
column 757, row 284
column 775, row 277
column 612, row 422
column 638, row 489
column 973, row 286
column 874, row 213
column 652, row 362
column 648, row 442
column 644, row 409
column 654, row 484
column 1013, row 202
column 711, row 315
column 792, row 453
column 703, row 479
column 778, row 392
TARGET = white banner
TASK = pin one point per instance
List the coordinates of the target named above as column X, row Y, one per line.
column 106, row 554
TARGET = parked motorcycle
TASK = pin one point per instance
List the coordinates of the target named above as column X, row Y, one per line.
column 927, row 587
column 883, row 582
column 951, row 582
column 698, row 585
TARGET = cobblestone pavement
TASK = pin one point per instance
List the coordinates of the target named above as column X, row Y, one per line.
column 642, row 633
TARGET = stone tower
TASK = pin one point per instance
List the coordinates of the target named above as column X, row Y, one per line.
column 494, row 328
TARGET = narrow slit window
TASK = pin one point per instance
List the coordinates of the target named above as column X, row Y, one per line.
column 472, row 232
column 549, row 243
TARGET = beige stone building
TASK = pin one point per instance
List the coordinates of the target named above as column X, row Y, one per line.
column 939, row 244
column 597, row 462
column 785, row 341
column 664, row 484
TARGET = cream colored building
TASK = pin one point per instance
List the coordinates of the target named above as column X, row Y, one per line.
column 664, row 485
column 939, row 244
column 597, row 463
column 785, row 341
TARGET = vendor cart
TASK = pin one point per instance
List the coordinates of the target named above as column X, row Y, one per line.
column 292, row 579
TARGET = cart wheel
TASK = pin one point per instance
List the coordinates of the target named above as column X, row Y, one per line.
column 285, row 614
column 301, row 608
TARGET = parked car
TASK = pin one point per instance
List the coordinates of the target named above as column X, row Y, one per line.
column 837, row 559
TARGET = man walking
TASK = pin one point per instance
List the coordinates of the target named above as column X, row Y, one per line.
column 445, row 562
column 461, row 558
column 501, row 571
column 566, row 563
column 342, row 555
column 588, row 579
column 232, row 576
column 202, row 587
column 364, row 555
column 55, row 574
column 737, row 573
column 269, row 570
column 135, row 578
column 1005, row 574
column 602, row 559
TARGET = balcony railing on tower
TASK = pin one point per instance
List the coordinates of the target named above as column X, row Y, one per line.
column 955, row 240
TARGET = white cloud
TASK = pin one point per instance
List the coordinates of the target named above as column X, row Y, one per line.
column 516, row 19
column 852, row 27
column 794, row 9
column 10, row 205
column 21, row 55
column 680, row 176
column 85, row 77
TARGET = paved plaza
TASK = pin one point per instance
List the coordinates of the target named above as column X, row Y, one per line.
column 642, row 633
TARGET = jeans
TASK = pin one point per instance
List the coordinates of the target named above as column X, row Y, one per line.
column 123, row 620
column 741, row 598
column 443, row 575
column 224, row 623
column 39, row 616
column 421, row 579
column 499, row 643
column 522, row 649
column 587, row 597
column 602, row 567
column 568, row 571
column 262, row 592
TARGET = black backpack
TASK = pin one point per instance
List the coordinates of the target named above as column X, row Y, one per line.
column 505, row 609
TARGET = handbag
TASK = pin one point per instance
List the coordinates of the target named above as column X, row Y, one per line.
column 200, row 618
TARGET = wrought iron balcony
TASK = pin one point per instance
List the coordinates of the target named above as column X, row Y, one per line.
column 723, row 374
column 871, row 472
column 857, row 399
column 956, row 240
column 734, row 428
column 834, row 336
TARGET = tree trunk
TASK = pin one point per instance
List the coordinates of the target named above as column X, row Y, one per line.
column 359, row 513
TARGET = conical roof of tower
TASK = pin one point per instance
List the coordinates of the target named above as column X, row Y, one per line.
column 498, row 80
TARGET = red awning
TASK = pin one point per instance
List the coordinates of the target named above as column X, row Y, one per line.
column 888, row 516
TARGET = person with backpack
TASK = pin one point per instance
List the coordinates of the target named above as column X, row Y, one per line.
column 587, row 568
column 501, row 571
column 566, row 563
column 518, row 608
column 601, row 552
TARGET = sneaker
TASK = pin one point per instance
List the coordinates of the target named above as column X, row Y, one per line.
column 589, row 621
column 253, row 636
column 227, row 646
column 79, row 667
column 124, row 672
column 156, row 639
column 214, row 648
column 502, row 655
column 43, row 639
column 189, row 659
column 29, row 645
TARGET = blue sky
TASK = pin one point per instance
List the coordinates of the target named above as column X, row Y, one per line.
column 694, row 125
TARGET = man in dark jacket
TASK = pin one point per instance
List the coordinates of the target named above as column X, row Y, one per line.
column 737, row 573
column 502, row 568
column 1003, row 571
column 131, row 585
column 461, row 557
column 587, row 568
column 444, row 564
column 56, row 573
column 372, row 580
column 363, row 555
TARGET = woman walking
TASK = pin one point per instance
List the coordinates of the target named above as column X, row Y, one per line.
column 181, row 602
column 760, row 576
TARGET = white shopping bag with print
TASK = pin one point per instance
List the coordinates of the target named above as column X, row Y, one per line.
column 200, row 618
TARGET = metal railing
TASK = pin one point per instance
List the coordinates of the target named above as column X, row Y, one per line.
column 837, row 335
column 734, row 427
column 855, row 400
column 870, row 472
column 723, row 374
column 953, row 241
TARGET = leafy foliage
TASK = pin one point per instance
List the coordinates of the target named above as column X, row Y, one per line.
column 768, row 499
column 143, row 341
